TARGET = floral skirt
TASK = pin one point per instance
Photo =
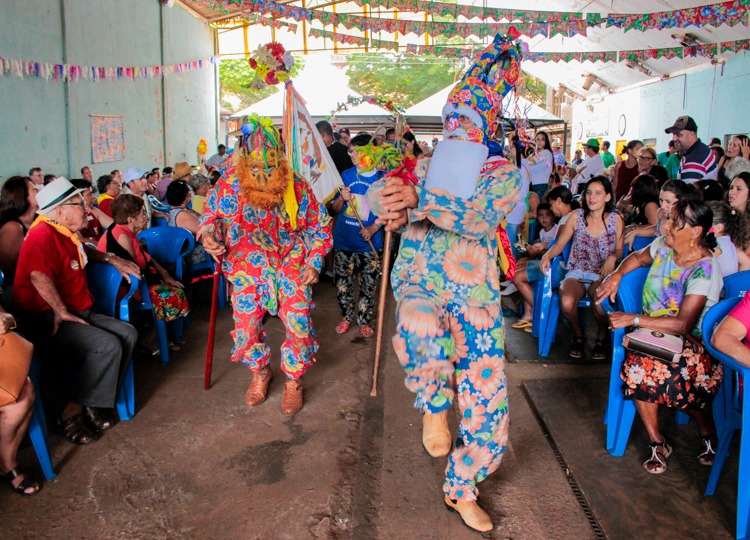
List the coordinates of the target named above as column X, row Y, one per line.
column 689, row 383
column 169, row 302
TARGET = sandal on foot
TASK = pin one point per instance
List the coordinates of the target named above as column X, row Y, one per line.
column 707, row 455
column 366, row 331
column 657, row 461
column 577, row 347
column 520, row 324
column 599, row 352
column 75, row 430
column 98, row 419
column 343, row 327
column 24, row 485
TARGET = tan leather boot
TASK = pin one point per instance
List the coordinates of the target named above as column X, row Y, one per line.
column 436, row 437
column 291, row 401
column 258, row 389
column 471, row 514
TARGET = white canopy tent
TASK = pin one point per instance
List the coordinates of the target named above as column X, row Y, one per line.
column 424, row 117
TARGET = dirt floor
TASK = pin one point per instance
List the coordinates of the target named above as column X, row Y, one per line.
column 200, row 464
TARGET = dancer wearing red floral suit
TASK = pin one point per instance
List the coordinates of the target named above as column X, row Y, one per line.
column 273, row 235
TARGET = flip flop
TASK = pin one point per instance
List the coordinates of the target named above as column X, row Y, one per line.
column 520, row 324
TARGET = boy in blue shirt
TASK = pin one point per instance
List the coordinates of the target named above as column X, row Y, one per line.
column 352, row 252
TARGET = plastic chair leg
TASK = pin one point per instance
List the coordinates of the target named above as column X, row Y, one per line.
column 623, row 429
column 722, row 451
column 222, row 292
column 126, row 395
column 161, row 332
column 38, row 436
column 743, row 487
column 547, row 332
column 535, row 318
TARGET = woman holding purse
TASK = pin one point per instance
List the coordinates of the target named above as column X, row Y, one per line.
column 15, row 415
column 683, row 282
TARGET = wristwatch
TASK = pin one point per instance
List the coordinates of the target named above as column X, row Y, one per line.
column 636, row 321
column 108, row 257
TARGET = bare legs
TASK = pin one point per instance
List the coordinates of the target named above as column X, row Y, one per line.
column 14, row 420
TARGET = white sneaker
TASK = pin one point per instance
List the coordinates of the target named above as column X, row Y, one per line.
column 507, row 287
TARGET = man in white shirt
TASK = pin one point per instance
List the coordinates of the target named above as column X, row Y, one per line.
column 591, row 166
column 217, row 159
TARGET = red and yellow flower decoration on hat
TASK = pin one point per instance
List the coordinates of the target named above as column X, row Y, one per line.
column 272, row 64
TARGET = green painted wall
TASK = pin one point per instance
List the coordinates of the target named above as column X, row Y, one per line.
column 47, row 123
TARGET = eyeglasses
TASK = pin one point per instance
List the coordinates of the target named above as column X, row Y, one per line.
column 646, row 158
column 81, row 204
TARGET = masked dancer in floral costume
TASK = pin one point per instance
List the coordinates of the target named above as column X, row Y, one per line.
column 449, row 334
column 273, row 235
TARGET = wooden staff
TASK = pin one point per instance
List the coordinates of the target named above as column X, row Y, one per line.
column 212, row 328
column 385, row 271
column 381, row 310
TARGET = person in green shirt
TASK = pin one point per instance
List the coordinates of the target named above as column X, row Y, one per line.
column 607, row 156
column 670, row 160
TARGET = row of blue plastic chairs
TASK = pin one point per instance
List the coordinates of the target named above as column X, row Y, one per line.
column 620, row 413
column 169, row 246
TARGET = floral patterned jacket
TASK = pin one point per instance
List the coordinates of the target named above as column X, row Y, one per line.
column 261, row 243
column 449, row 246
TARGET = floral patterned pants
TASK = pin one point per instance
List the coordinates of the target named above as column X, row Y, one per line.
column 250, row 305
column 453, row 351
column 345, row 265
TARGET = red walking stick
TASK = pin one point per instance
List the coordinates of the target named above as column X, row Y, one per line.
column 212, row 327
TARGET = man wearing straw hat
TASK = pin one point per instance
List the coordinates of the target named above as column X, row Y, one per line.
column 272, row 234
column 55, row 309
column 449, row 334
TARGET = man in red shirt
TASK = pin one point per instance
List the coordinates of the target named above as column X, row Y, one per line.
column 54, row 305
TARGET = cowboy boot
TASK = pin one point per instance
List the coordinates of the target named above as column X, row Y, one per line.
column 436, row 437
column 471, row 514
column 258, row 389
column 291, row 401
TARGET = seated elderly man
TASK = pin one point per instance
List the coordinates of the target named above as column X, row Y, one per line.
column 54, row 307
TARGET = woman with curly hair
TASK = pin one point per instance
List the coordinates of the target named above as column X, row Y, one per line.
column 732, row 231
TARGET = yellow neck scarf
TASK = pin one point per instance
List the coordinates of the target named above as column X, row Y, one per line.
column 62, row 229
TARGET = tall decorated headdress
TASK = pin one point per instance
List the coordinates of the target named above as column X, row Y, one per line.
column 479, row 94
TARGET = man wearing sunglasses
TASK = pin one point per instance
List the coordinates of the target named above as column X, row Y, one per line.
column 54, row 307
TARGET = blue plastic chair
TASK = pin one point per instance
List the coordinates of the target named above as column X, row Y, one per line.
column 38, row 425
column 737, row 284
column 730, row 401
column 160, row 222
column 169, row 246
column 639, row 243
column 620, row 412
column 549, row 307
column 104, row 283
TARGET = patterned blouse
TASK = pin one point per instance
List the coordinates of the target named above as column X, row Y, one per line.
column 449, row 246
column 668, row 284
column 588, row 253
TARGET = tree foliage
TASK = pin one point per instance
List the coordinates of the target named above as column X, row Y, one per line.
column 404, row 78
column 235, row 75
column 407, row 79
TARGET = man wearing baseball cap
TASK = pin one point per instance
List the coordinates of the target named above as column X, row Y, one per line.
column 698, row 162
column 52, row 299
column 591, row 166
